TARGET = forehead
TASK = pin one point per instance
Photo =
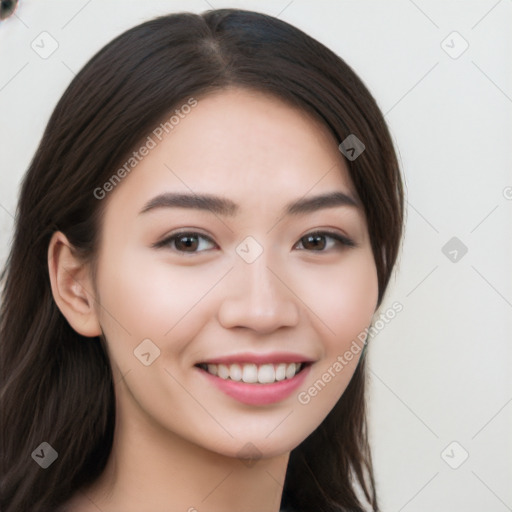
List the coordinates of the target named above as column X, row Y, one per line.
column 241, row 144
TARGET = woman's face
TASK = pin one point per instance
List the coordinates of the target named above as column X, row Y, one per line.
column 236, row 278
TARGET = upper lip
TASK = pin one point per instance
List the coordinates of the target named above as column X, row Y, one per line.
column 272, row 358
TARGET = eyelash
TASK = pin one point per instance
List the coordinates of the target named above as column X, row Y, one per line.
column 340, row 239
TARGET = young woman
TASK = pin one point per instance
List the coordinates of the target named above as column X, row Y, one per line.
column 203, row 237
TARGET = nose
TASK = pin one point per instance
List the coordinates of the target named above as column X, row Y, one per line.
column 259, row 298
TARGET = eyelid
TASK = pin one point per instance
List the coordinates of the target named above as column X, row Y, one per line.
column 342, row 239
column 190, row 231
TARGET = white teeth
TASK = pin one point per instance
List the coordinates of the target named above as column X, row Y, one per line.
column 235, row 372
column 266, row 374
column 290, row 370
column 252, row 373
column 223, row 371
column 281, row 371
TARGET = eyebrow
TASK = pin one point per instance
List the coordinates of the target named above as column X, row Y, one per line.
column 226, row 207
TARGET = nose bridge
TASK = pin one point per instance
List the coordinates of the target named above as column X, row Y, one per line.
column 256, row 295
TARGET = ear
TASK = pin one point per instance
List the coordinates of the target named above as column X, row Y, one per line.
column 72, row 287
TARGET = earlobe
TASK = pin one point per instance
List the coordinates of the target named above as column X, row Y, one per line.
column 72, row 287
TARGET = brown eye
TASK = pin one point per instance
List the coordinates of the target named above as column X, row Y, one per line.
column 313, row 242
column 185, row 242
column 316, row 241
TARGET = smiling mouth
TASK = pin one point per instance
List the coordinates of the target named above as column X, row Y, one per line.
column 251, row 373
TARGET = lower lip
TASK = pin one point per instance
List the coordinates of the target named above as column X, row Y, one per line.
column 258, row 394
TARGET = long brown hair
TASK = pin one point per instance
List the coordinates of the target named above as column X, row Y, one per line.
column 55, row 385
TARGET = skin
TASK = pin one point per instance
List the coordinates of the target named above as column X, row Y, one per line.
column 177, row 438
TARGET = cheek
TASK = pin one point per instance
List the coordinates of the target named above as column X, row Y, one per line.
column 149, row 297
column 345, row 304
column 343, row 297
